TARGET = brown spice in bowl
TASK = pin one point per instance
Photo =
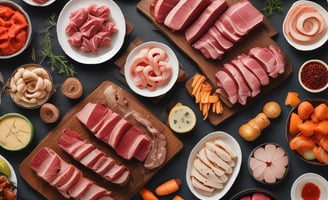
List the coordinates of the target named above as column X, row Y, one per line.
column 314, row 75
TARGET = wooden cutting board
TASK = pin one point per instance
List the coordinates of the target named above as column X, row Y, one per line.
column 261, row 36
column 121, row 102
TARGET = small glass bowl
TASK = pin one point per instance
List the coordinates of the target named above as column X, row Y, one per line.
column 313, row 63
column 30, row 86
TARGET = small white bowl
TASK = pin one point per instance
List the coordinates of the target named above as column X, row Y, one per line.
column 29, row 28
column 172, row 60
column 317, row 43
column 231, row 141
column 318, row 180
column 318, row 63
column 33, row 3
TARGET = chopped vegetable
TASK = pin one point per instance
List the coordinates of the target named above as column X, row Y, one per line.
column 292, row 99
column 177, row 197
column 295, row 120
column 272, row 109
column 305, row 109
column 168, row 187
column 202, row 93
column 146, row 194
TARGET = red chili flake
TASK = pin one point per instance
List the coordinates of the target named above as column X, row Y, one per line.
column 310, row 191
column 314, row 75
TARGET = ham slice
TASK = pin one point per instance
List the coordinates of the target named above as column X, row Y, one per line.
column 68, row 180
column 161, row 8
column 209, row 47
column 229, row 86
column 222, row 41
column 205, row 20
column 93, row 159
column 184, row 13
column 91, row 114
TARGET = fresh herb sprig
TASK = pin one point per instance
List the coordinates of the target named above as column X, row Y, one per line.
column 58, row 63
column 272, row 6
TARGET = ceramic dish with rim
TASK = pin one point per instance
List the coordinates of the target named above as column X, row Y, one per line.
column 316, row 43
column 103, row 54
column 313, row 76
column 253, row 191
column 316, row 181
column 12, row 177
column 171, row 60
column 268, row 163
column 35, row 3
column 234, row 146
column 308, row 154
column 15, row 6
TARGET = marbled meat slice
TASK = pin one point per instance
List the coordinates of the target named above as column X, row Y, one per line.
column 227, row 87
column 205, row 20
column 161, row 8
column 91, row 114
column 83, row 188
column 118, row 132
column 184, row 13
column 105, row 130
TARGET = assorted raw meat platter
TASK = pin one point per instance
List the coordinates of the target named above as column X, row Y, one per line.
column 225, row 61
column 85, row 153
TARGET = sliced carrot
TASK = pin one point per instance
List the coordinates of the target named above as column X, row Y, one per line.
column 324, row 142
column 321, row 154
column 322, row 128
column 294, row 122
column 292, row 99
column 168, row 187
column 146, row 194
column 321, row 111
column 301, row 143
column 307, row 127
column 305, row 109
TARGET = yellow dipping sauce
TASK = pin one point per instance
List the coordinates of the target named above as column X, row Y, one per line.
column 182, row 119
column 16, row 131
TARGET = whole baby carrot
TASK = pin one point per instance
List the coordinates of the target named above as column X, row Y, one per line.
column 146, row 194
column 168, row 187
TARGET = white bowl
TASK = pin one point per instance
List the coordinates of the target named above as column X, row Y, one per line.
column 29, row 28
column 12, row 177
column 227, row 138
column 172, row 60
column 315, row 62
column 33, row 3
column 318, row 180
column 104, row 54
column 316, row 44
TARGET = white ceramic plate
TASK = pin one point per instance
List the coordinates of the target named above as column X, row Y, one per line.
column 234, row 145
column 321, row 182
column 104, row 54
column 13, row 177
column 172, row 60
column 318, row 43
column 33, row 3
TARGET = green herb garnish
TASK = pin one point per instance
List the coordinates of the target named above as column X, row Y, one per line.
column 58, row 63
column 272, row 6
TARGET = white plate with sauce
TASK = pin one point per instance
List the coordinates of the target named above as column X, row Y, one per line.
column 12, row 177
column 234, row 145
column 103, row 54
column 317, row 43
column 33, row 3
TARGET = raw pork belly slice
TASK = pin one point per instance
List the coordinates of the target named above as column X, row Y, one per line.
column 91, row 115
column 161, row 8
column 209, row 47
column 205, row 20
column 184, row 13
column 68, row 179
column 116, row 131
column 222, row 41
column 93, row 158
column 249, row 73
column 254, row 66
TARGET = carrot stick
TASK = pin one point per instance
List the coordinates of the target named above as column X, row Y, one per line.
column 168, row 187
column 146, row 194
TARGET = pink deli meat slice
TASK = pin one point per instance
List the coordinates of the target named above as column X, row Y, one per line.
column 254, row 66
column 184, row 13
column 244, row 16
column 66, row 185
column 133, row 142
column 267, row 60
column 161, row 8
column 227, row 85
column 209, row 47
column 223, row 41
column 205, row 20
column 94, row 159
column 106, row 128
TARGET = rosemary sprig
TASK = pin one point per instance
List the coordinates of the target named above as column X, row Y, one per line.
column 58, row 63
column 272, row 6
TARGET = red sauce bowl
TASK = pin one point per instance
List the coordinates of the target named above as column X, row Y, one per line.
column 313, row 76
